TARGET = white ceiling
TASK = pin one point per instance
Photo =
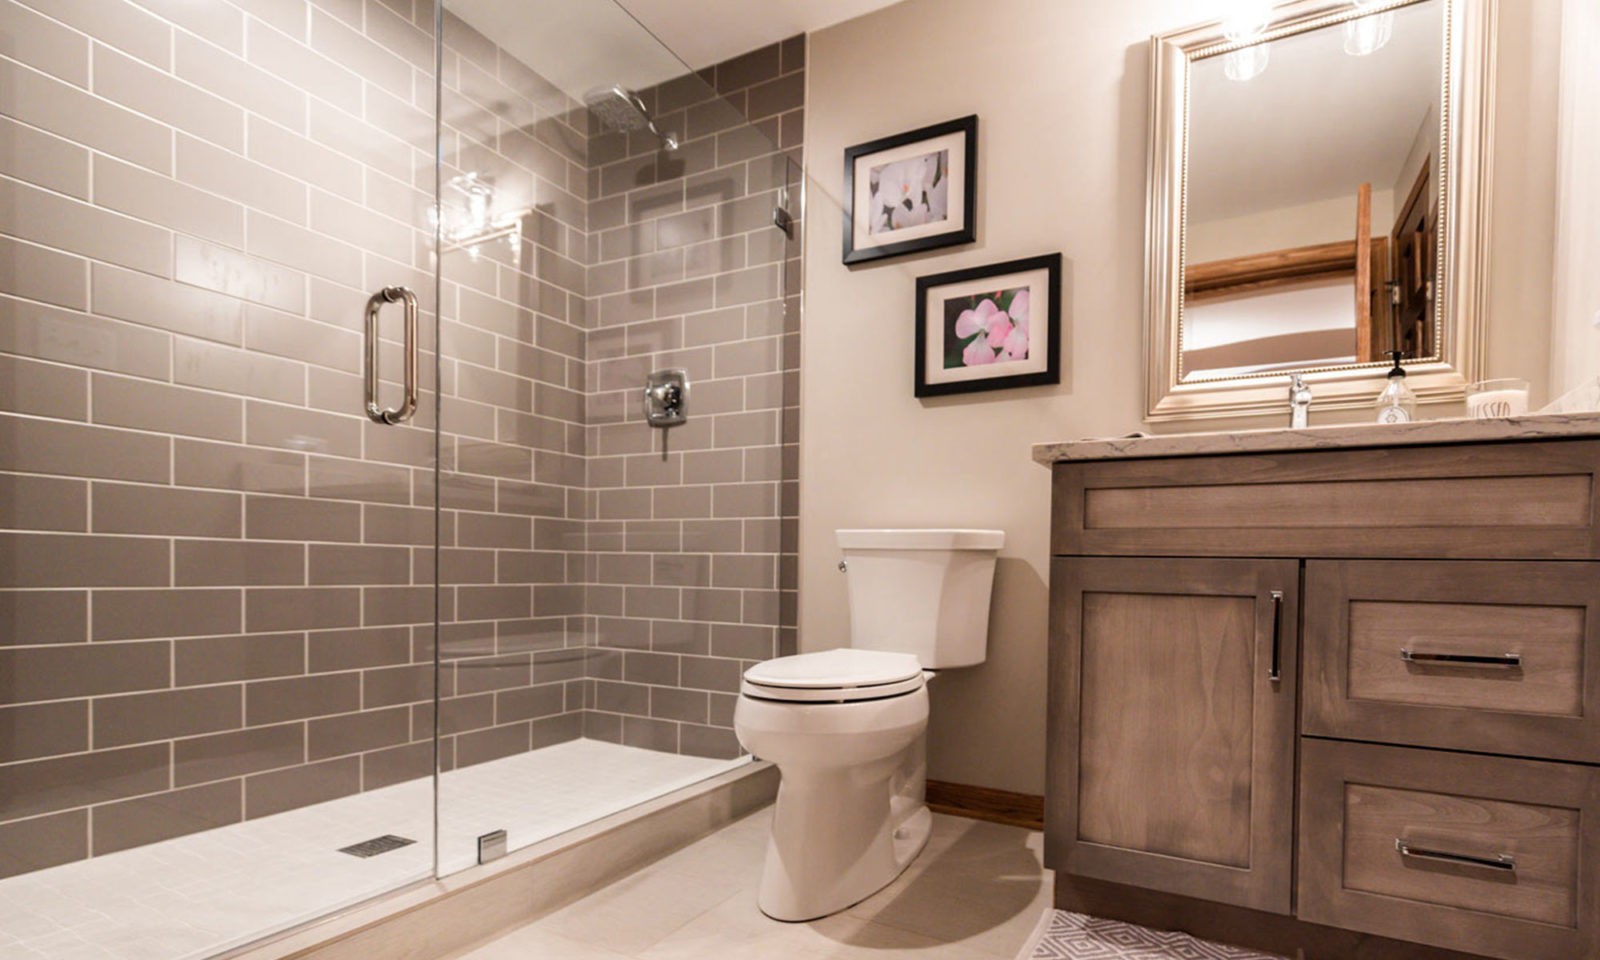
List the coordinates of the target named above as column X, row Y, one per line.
column 575, row 44
column 704, row 32
column 579, row 45
column 1317, row 124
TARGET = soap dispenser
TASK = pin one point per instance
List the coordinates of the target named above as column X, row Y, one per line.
column 1397, row 404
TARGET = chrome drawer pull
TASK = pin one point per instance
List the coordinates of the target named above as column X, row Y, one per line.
column 1504, row 861
column 1463, row 659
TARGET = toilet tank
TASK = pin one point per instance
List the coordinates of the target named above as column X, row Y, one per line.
column 923, row 592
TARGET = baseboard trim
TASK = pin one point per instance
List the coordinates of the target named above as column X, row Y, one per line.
column 984, row 803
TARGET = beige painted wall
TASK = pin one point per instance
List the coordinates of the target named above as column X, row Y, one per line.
column 1523, row 205
column 1575, row 350
column 1060, row 89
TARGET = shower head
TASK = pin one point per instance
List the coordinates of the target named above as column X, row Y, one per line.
column 620, row 109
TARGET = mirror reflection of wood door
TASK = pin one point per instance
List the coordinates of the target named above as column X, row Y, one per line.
column 1413, row 239
column 1374, row 325
column 1363, row 262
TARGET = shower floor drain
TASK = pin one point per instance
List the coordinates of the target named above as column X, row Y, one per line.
column 377, row 845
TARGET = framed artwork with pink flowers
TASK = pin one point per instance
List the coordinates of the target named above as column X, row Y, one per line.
column 989, row 328
column 911, row 192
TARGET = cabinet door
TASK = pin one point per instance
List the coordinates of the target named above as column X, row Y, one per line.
column 1172, row 701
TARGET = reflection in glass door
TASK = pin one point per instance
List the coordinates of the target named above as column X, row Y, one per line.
column 216, row 568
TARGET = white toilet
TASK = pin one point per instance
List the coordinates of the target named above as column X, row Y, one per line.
column 846, row 726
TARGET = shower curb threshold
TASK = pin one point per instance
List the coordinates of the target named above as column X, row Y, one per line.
column 432, row 919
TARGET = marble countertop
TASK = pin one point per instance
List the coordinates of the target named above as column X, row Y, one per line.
column 1533, row 427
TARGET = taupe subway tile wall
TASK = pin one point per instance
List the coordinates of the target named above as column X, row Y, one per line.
column 692, row 533
column 216, row 575
column 216, row 593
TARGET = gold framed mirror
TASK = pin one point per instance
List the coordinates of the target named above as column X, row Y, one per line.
column 1317, row 198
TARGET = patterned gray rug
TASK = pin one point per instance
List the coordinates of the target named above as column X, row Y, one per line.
column 1073, row 936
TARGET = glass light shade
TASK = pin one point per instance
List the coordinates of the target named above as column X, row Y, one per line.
column 1248, row 20
column 1246, row 63
column 1368, row 35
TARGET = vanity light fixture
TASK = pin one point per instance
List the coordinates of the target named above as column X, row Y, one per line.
column 470, row 222
column 1367, row 35
column 1248, row 21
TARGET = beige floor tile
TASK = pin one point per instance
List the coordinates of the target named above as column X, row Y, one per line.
column 733, row 928
column 737, row 928
column 869, row 940
column 979, row 885
column 637, row 911
column 975, row 893
column 991, row 917
column 533, row 942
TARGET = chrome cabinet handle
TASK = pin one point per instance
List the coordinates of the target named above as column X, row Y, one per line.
column 1275, row 667
column 1504, row 861
column 408, row 404
column 1462, row 659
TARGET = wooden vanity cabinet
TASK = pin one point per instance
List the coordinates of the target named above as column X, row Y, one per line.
column 1328, row 689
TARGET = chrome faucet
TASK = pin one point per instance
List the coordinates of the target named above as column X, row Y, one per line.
column 1299, row 402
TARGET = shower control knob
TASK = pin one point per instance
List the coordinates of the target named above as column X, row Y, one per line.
column 667, row 395
column 666, row 398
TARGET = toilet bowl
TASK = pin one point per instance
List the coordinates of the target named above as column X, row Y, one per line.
column 846, row 727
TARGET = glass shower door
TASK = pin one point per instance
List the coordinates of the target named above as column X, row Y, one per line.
column 608, row 213
column 217, row 596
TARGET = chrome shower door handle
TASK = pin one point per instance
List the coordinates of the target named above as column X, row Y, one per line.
column 408, row 404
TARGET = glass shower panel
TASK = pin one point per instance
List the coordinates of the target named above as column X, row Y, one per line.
column 608, row 212
column 216, row 570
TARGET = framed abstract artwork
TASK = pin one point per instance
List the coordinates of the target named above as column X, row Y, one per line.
column 911, row 192
column 989, row 328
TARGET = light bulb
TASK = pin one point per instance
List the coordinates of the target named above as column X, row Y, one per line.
column 1369, row 34
column 1246, row 63
column 478, row 210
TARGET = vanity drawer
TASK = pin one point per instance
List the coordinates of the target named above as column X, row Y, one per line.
column 1484, row 854
column 1468, row 655
column 1533, row 500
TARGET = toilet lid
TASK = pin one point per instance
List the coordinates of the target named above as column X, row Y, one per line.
column 844, row 667
column 834, row 675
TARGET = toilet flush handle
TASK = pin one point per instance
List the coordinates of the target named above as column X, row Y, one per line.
column 843, row 567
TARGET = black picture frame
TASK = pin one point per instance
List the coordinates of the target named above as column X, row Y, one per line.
column 1041, row 364
column 963, row 229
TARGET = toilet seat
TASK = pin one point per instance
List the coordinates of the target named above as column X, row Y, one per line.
column 841, row 675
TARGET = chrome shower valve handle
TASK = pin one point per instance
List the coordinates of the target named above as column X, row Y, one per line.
column 666, row 398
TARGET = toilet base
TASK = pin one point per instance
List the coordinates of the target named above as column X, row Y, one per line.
column 909, row 841
column 850, row 813
column 777, row 899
